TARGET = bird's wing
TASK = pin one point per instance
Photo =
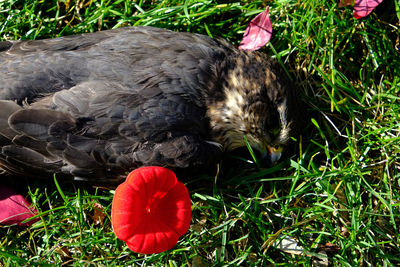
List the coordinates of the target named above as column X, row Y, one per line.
column 104, row 103
column 129, row 56
column 98, row 130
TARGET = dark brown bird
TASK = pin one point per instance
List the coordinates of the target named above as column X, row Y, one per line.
column 95, row 106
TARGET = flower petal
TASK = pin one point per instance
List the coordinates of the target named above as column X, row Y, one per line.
column 151, row 210
column 258, row 33
column 363, row 8
column 174, row 209
column 126, row 211
column 14, row 208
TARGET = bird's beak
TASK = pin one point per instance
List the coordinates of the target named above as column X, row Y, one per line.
column 273, row 154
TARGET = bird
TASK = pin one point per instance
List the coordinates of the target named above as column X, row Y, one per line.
column 94, row 106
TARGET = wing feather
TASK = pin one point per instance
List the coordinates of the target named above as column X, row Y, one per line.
column 99, row 105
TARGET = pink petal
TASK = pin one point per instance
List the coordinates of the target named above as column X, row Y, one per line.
column 362, row 8
column 14, row 208
column 258, row 33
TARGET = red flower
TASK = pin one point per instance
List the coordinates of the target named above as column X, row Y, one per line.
column 14, row 208
column 151, row 210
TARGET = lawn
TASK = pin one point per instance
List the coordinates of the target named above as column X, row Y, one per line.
column 335, row 195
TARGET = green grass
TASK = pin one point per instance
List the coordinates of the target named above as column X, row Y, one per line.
column 336, row 192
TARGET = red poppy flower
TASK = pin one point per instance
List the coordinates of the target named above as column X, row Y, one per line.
column 151, row 210
column 14, row 208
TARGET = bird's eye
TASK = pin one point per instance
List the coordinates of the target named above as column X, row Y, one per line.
column 275, row 131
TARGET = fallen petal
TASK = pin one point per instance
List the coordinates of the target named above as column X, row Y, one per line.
column 14, row 208
column 362, row 8
column 258, row 33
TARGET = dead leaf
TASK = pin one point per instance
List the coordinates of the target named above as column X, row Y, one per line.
column 198, row 227
column 330, row 248
column 289, row 245
column 98, row 214
column 343, row 3
column 197, row 261
column 321, row 261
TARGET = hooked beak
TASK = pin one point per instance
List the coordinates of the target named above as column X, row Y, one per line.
column 272, row 155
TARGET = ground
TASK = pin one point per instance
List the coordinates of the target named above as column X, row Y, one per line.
column 335, row 194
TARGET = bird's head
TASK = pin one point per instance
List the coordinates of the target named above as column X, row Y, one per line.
column 255, row 106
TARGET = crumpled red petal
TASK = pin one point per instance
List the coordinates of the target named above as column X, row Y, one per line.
column 258, row 33
column 363, row 8
column 151, row 210
column 14, row 208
